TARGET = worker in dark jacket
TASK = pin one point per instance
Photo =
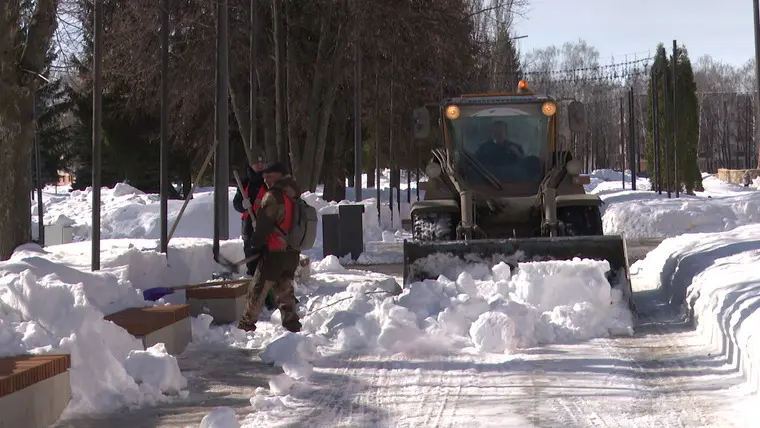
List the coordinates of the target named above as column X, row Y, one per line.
column 253, row 184
column 276, row 272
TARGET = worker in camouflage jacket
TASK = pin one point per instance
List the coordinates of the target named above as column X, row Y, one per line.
column 276, row 270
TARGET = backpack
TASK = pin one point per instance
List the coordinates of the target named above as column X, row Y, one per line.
column 303, row 231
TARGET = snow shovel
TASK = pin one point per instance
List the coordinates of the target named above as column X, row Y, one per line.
column 156, row 293
column 231, row 266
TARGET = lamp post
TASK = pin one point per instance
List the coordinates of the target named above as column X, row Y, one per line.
column 756, row 10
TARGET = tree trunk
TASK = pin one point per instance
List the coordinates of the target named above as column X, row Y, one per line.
column 290, row 104
column 327, row 110
column 279, row 80
column 334, row 173
column 16, row 140
column 307, row 158
column 19, row 69
column 268, row 124
column 237, row 95
column 187, row 183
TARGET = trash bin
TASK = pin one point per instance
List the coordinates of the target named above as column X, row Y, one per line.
column 343, row 233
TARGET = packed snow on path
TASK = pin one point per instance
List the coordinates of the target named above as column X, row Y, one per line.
column 483, row 315
column 717, row 276
column 645, row 214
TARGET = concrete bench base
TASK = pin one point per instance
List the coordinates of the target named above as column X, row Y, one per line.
column 175, row 336
column 169, row 324
column 224, row 304
column 34, row 390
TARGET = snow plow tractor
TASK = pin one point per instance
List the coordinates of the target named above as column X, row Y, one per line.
column 504, row 183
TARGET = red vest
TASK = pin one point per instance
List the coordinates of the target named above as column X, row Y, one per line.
column 276, row 240
column 256, row 202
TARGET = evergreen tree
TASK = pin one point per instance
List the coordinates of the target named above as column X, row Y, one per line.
column 659, row 73
column 688, row 124
column 689, row 176
column 508, row 69
column 54, row 125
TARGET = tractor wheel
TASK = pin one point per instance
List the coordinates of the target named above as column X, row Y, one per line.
column 433, row 227
column 581, row 221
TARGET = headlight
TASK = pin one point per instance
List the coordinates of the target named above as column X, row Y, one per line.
column 452, row 112
column 549, row 108
column 573, row 167
column 433, row 170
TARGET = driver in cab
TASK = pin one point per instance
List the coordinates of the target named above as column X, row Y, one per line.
column 499, row 150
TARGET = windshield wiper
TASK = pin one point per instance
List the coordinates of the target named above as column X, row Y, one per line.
column 482, row 170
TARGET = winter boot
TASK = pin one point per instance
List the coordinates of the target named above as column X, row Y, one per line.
column 247, row 326
column 290, row 322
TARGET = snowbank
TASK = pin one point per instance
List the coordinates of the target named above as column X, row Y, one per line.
column 49, row 307
column 644, row 214
column 716, row 276
column 50, row 302
column 129, row 213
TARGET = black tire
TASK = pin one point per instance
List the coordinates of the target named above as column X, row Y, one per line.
column 432, row 226
column 581, row 221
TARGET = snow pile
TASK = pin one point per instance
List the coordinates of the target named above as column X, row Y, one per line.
column 50, row 307
column 154, row 369
column 643, row 213
column 487, row 309
column 129, row 213
column 221, row 417
column 484, row 309
column 716, row 277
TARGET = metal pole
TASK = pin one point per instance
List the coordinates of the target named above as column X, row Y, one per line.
column 656, row 122
column 97, row 119
column 409, row 177
column 38, row 173
column 675, row 121
column 417, row 176
column 756, row 10
column 390, row 139
column 668, row 183
column 622, row 143
column 631, row 139
column 377, row 144
column 164, row 149
column 357, row 116
column 252, row 71
column 652, row 169
column 397, row 167
column 222, row 158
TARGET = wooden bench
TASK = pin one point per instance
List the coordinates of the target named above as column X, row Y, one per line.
column 34, row 390
column 169, row 324
column 224, row 304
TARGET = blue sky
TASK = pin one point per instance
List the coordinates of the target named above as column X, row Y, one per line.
column 722, row 29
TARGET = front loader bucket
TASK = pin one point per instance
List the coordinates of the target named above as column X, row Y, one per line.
column 611, row 248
